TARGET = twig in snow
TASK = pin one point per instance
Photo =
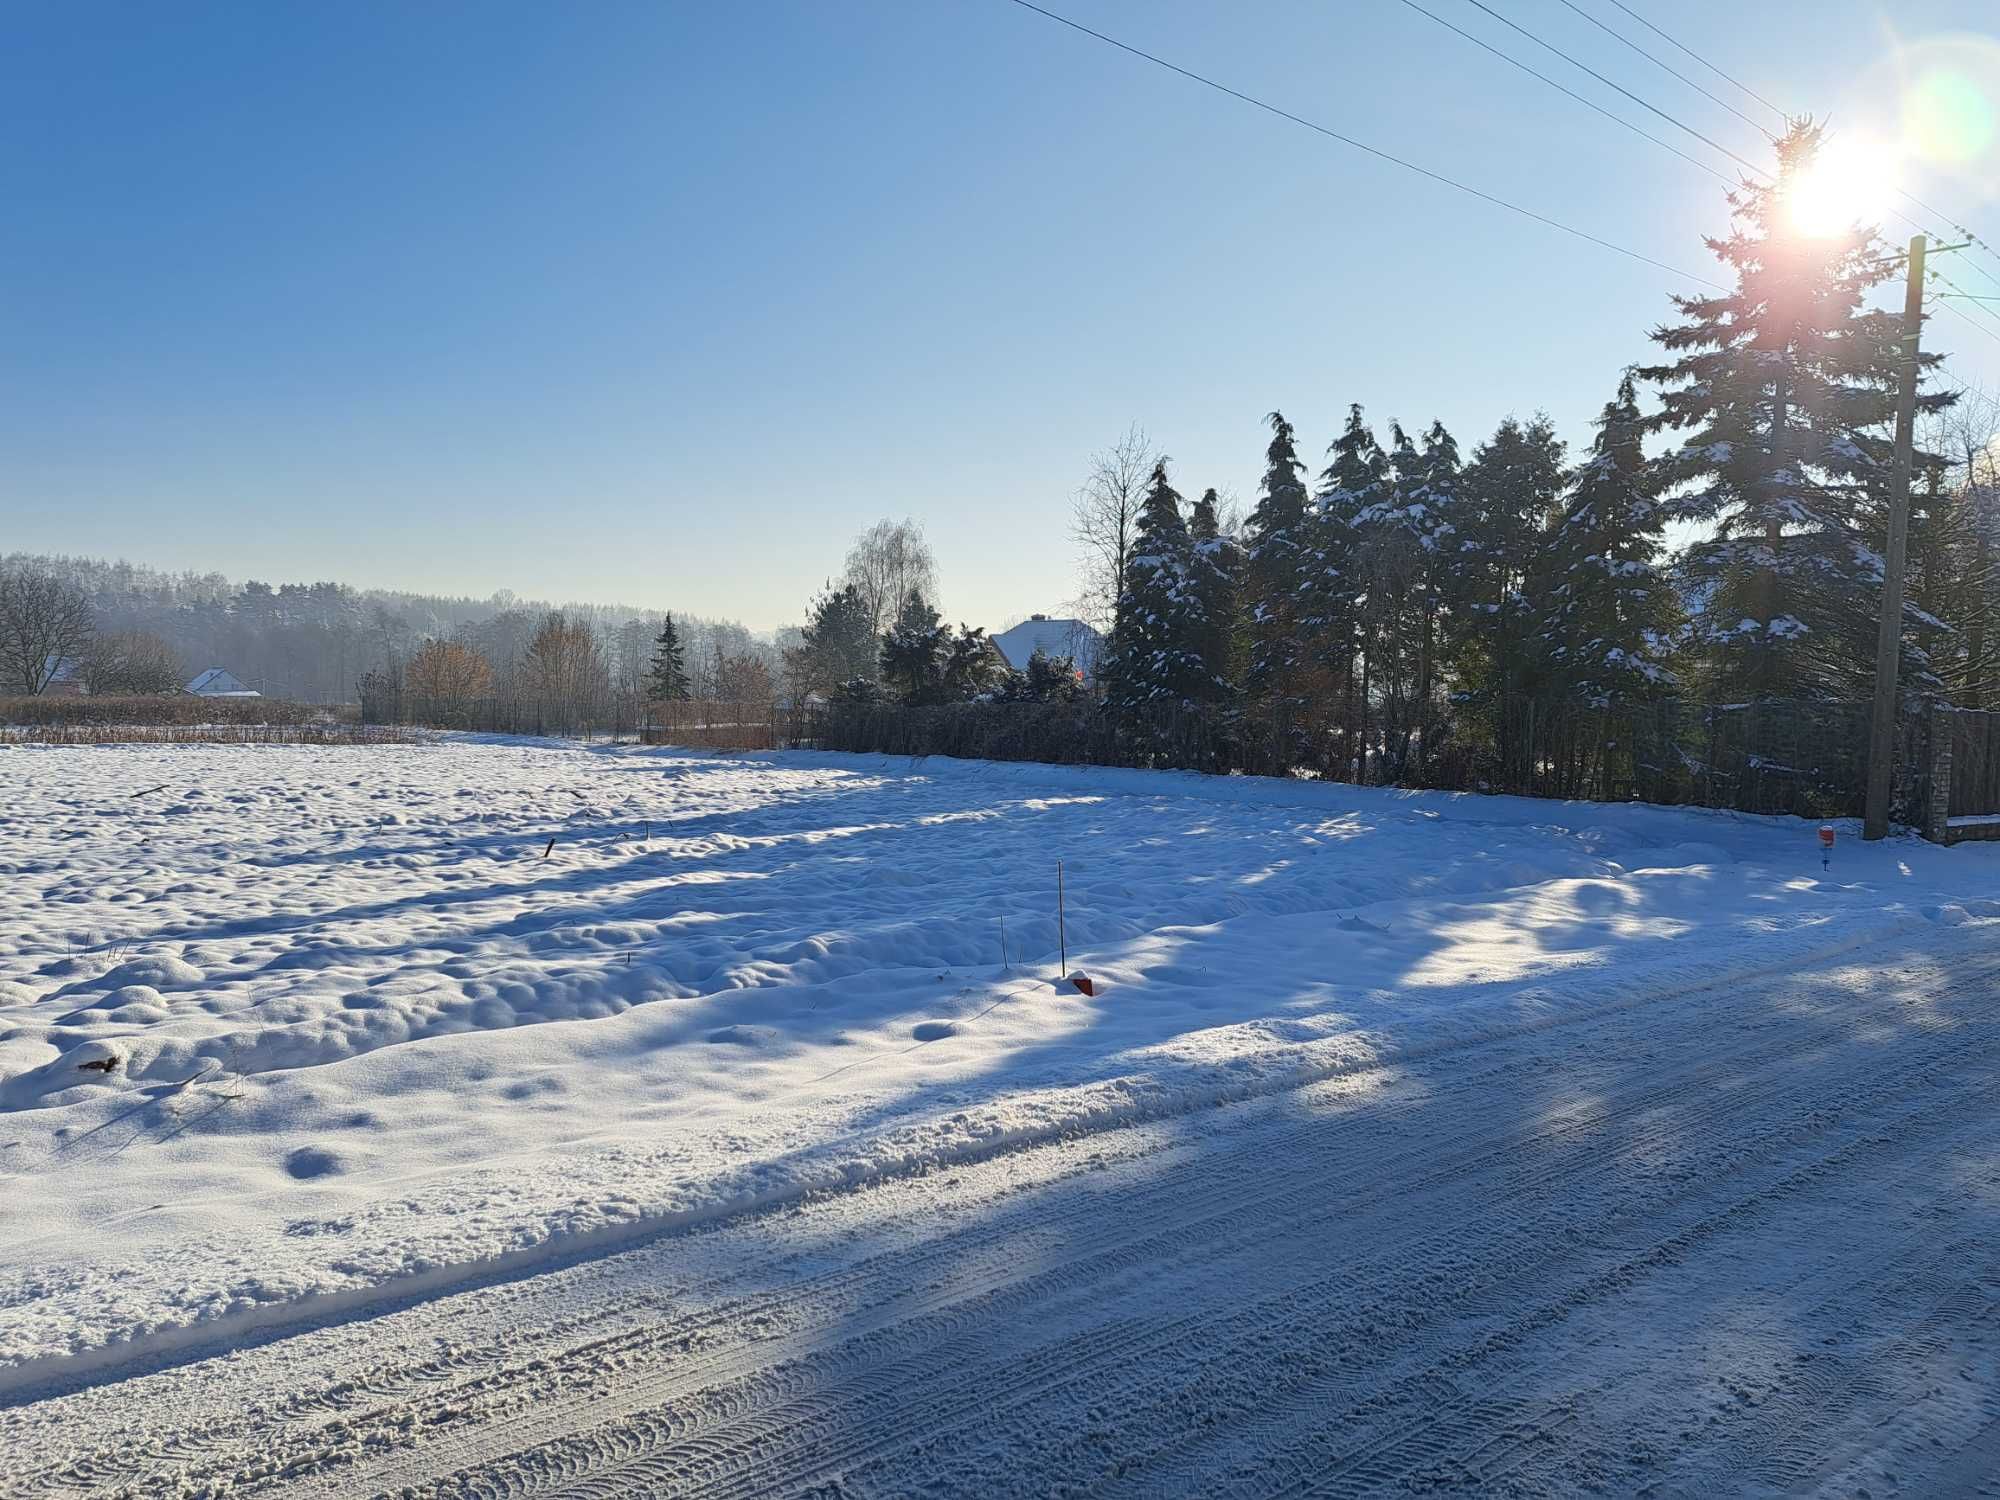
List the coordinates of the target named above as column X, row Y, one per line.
column 551, row 844
column 148, row 791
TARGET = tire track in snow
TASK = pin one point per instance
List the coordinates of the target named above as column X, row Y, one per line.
column 1256, row 1157
column 794, row 1422
column 1390, row 1142
column 1424, row 1303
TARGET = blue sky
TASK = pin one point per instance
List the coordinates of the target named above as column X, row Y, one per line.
column 662, row 302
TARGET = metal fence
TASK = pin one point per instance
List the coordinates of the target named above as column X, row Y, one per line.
column 612, row 716
column 702, row 725
column 1806, row 758
column 1801, row 757
column 206, row 734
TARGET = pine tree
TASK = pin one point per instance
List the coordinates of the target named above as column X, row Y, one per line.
column 1051, row 679
column 970, row 664
column 1214, row 561
column 1606, row 612
column 1275, row 565
column 837, row 646
column 915, row 650
column 1354, row 484
column 1404, row 540
column 1789, row 387
column 1513, row 492
column 669, row 680
column 1155, row 652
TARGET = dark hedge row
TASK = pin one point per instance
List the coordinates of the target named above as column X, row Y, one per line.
column 177, row 708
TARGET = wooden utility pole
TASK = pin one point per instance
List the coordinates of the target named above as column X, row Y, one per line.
column 1889, row 639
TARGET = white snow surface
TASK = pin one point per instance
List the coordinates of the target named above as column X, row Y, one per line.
column 372, row 1036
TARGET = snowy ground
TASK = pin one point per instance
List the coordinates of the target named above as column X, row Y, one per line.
column 1539, row 1145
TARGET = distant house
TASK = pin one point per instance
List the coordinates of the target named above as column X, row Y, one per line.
column 1072, row 638
column 65, row 678
column 219, row 682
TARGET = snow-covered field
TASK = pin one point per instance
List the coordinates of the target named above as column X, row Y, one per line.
column 373, row 1041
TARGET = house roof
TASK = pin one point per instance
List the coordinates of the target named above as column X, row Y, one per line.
column 219, row 682
column 1072, row 638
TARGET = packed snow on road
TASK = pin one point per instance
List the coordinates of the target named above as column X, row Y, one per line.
column 513, row 1117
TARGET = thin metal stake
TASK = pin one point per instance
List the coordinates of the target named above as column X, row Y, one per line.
column 1062, row 934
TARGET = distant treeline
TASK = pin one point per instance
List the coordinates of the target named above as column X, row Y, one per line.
column 313, row 642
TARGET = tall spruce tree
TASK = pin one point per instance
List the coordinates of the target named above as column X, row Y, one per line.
column 668, row 681
column 1155, row 650
column 1788, row 385
column 1513, row 491
column 1275, row 565
column 1355, row 484
column 1606, row 613
column 1214, row 561
column 1404, row 541
column 1351, row 482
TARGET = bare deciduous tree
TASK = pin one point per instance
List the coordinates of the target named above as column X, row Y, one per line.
column 887, row 563
column 565, row 665
column 1954, row 559
column 743, row 679
column 131, row 662
column 43, row 623
column 447, row 672
column 1105, row 518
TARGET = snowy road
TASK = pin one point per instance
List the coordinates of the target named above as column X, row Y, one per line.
column 1743, row 1239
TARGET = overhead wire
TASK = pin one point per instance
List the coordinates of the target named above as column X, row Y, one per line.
column 1609, row 83
column 1667, row 67
column 1512, row 207
column 1975, row 327
column 1677, row 123
column 1478, row 41
column 1978, row 304
column 1957, row 228
column 1952, row 220
column 1733, row 83
column 1363, row 146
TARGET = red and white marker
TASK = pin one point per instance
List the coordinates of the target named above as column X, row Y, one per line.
column 1825, row 845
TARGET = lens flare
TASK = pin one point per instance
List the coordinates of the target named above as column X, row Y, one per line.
column 1849, row 183
column 1948, row 117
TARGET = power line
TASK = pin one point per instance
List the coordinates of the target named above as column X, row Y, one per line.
column 1979, row 303
column 1975, row 327
column 1751, row 93
column 1564, row 89
column 1656, row 62
column 1620, row 88
column 1970, row 240
column 1959, row 228
column 1783, row 115
column 1733, row 83
column 1348, row 140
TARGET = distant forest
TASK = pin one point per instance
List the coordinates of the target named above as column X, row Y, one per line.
column 313, row 642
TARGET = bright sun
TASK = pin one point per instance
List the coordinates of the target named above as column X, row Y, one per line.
column 1850, row 182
